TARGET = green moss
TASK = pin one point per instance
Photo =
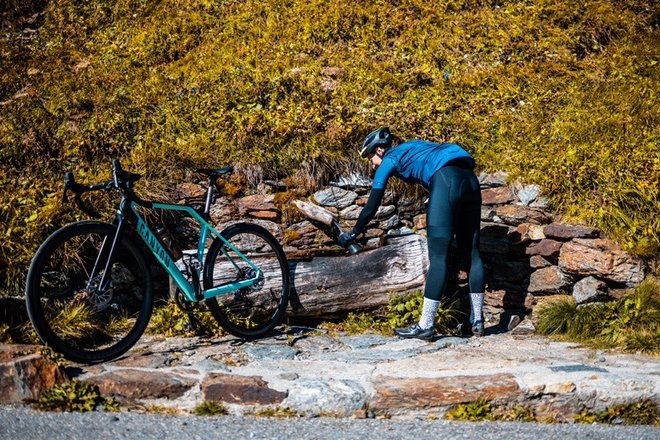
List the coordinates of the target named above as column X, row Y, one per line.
column 473, row 411
column 640, row 413
column 281, row 412
column 75, row 396
column 210, row 408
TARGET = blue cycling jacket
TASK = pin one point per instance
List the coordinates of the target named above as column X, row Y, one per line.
column 416, row 161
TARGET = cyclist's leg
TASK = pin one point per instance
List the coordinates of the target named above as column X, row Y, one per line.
column 440, row 217
column 467, row 236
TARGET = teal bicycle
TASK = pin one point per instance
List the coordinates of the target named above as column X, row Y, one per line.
column 89, row 290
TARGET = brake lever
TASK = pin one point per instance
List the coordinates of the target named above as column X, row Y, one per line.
column 78, row 189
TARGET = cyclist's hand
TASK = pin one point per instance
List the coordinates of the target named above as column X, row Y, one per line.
column 346, row 237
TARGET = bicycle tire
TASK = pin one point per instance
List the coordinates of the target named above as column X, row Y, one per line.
column 254, row 311
column 85, row 324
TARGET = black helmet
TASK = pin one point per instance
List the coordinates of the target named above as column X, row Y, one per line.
column 377, row 138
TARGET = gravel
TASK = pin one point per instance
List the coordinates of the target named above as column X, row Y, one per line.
column 22, row 423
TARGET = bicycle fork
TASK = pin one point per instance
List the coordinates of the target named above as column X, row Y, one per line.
column 109, row 249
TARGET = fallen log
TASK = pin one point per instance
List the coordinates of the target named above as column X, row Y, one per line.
column 315, row 212
column 331, row 286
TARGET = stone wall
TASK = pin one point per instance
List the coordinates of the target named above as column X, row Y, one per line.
column 527, row 252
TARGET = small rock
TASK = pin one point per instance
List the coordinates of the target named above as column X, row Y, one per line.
column 497, row 196
column 272, row 352
column 352, row 181
column 315, row 397
column 353, row 212
column 400, row 231
column 361, row 342
column 514, row 321
column 517, row 214
column 256, row 202
column 390, row 223
column 566, row 231
column 540, row 203
column 544, row 248
column 549, row 280
column 134, row 384
column 537, row 262
column 25, row 373
column 288, row 376
column 244, row 390
column 337, row 197
column 449, row 341
column 419, row 221
column 528, row 194
column 525, row 232
column 211, row 365
column 318, row 343
column 496, row 179
column 589, row 290
column 560, row 388
column 487, row 213
column 526, row 327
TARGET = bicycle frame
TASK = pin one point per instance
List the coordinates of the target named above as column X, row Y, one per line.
column 163, row 257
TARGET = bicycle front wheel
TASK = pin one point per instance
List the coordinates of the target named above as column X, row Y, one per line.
column 69, row 309
column 253, row 311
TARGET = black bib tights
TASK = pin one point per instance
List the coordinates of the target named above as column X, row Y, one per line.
column 454, row 209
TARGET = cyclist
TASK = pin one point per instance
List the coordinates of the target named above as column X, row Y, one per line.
column 454, row 208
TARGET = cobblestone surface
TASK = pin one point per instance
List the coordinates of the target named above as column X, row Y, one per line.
column 315, row 373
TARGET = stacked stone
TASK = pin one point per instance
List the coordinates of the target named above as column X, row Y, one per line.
column 526, row 252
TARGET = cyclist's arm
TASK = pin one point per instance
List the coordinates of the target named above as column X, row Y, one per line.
column 369, row 210
column 375, row 196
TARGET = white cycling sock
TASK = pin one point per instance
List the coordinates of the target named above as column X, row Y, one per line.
column 429, row 309
column 477, row 302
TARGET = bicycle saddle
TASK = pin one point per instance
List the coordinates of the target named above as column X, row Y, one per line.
column 213, row 171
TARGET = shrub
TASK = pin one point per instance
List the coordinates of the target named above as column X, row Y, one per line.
column 401, row 311
column 210, row 408
column 169, row 320
column 75, row 396
column 631, row 322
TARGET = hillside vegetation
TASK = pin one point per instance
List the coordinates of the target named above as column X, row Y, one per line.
column 560, row 93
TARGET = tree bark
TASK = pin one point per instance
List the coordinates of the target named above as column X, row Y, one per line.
column 315, row 212
column 331, row 286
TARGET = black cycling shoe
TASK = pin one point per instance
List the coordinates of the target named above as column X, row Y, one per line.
column 478, row 328
column 414, row 331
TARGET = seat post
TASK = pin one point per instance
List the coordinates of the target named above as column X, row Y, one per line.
column 209, row 193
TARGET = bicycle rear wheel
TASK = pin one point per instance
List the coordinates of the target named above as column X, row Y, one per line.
column 253, row 311
column 70, row 312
